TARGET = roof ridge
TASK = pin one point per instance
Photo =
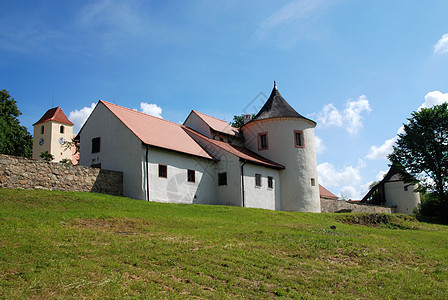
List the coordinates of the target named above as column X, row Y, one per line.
column 133, row 110
column 210, row 116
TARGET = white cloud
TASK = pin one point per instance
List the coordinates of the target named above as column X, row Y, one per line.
column 434, row 98
column 78, row 117
column 151, row 109
column 320, row 147
column 350, row 118
column 347, row 180
column 441, row 46
column 330, row 177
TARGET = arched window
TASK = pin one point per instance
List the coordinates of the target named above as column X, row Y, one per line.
column 61, row 129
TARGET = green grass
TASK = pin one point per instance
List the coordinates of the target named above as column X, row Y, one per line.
column 83, row 245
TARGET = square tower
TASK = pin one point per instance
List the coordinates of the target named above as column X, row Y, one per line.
column 51, row 133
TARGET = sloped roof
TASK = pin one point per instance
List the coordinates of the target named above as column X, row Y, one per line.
column 54, row 114
column 157, row 132
column 324, row 193
column 240, row 152
column 277, row 107
column 217, row 124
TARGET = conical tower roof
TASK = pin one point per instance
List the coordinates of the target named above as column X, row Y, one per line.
column 277, row 107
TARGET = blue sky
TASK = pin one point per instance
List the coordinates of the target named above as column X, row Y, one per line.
column 358, row 68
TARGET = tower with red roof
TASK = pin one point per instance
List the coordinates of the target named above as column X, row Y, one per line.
column 51, row 133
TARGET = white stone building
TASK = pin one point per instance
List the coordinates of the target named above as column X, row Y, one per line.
column 270, row 162
column 394, row 192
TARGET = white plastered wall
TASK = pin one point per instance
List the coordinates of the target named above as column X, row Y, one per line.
column 296, row 191
column 196, row 123
column 404, row 200
column 120, row 149
column 175, row 188
column 51, row 138
column 262, row 196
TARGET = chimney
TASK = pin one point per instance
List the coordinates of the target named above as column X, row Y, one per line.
column 247, row 118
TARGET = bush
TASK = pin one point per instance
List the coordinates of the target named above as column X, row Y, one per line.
column 430, row 209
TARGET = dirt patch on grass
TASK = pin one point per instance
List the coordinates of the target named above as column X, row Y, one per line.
column 380, row 220
column 118, row 226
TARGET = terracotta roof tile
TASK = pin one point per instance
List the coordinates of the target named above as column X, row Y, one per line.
column 217, row 124
column 157, row 132
column 54, row 114
column 324, row 193
column 240, row 152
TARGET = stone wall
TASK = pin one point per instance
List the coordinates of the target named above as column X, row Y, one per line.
column 19, row 172
column 331, row 206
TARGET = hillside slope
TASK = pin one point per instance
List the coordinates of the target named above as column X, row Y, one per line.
column 59, row 244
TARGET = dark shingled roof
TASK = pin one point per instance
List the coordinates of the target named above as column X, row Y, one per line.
column 277, row 107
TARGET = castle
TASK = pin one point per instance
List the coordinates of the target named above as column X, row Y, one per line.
column 269, row 162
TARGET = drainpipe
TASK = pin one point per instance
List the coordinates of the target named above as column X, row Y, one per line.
column 242, row 180
column 147, row 174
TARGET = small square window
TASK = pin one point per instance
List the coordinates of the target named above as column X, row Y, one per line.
column 191, row 176
column 222, row 178
column 163, row 171
column 298, row 139
column 263, row 141
column 258, row 180
column 96, row 145
column 270, row 182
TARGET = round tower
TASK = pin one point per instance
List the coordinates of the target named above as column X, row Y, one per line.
column 281, row 134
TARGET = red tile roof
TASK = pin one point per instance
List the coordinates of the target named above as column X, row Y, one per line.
column 54, row 114
column 324, row 193
column 240, row 152
column 217, row 124
column 157, row 132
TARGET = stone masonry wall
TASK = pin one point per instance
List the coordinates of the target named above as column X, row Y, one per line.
column 20, row 172
column 331, row 206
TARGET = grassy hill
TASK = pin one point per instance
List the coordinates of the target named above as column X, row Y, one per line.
column 60, row 244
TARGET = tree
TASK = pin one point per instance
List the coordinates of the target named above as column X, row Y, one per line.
column 14, row 138
column 421, row 152
column 238, row 121
column 47, row 156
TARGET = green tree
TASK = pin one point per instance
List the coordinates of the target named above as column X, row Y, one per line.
column 47, row 156
column 14, row 138
column 238, row 120
column 422, row 152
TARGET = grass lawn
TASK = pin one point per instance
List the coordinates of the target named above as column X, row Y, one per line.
column 83, row 245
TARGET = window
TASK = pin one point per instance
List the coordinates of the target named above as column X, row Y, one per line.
column 222, row 178
column 270, row 182
column 163, row 171
column 191, row 176
column 61, row 129
column 298, row 139
column 96, row 143
column 263, row 141
column 406, row 188
column 42, row 129
column 313, row 182
column 258, row 180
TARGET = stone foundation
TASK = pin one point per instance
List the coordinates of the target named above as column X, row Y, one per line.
column 332, row 206
column 20, row 172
